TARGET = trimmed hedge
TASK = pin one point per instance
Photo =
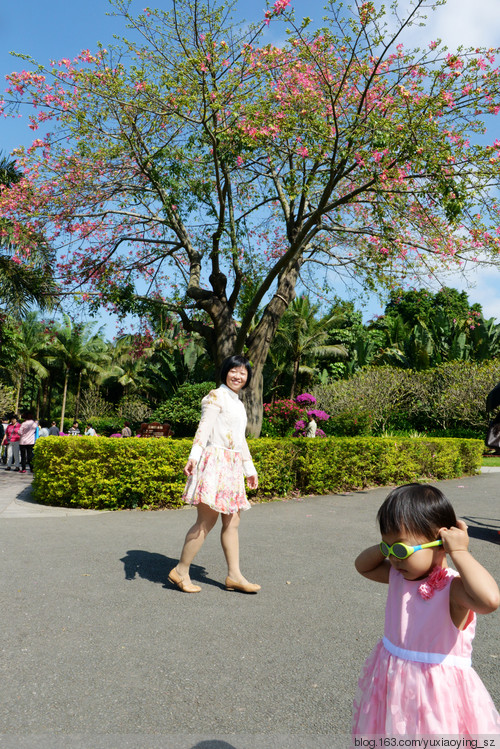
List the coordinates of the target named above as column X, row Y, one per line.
column 103, row 473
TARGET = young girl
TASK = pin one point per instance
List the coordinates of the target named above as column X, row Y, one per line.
column 418, row 679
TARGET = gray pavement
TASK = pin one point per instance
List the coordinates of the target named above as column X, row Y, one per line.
column 99, row 650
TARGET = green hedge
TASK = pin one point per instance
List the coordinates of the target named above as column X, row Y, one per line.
column 103, row 473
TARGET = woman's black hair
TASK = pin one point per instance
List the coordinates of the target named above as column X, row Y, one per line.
column 236, row 361
column 420, row 509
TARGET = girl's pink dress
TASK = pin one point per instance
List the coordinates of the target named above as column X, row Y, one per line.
column 418, row 680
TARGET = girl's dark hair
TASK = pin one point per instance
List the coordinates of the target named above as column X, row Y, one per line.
column 417, row 508
column 235, row 361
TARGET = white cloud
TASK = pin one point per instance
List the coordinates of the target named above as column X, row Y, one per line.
column 461, row 22
column 458, row 23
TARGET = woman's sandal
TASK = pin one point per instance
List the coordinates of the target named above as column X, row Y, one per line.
column 241, row 587
column 186, row 587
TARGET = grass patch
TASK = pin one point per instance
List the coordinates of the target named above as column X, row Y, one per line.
column 491, row 460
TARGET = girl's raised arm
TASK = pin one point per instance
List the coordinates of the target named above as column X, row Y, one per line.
column 475, row 589
column 372, row 564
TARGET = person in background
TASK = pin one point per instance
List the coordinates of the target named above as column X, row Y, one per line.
column 74, row 431
column 43, row 431
column 53, row 430
column 90, row 431
column 11, row 439
column 27, row 437
column 3, row 445
column 126, row 431
column 311, row 427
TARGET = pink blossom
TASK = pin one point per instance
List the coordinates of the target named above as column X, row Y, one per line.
column 280, row 5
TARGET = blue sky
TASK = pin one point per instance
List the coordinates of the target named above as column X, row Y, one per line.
column 61, row 28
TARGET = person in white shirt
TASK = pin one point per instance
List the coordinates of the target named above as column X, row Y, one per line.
column 89, row 431
column 27, row 437
column 311, row 427
column 217, row 464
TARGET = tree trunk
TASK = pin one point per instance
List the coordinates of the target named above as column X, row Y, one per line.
column 45, row 390
column 77, row 399
column 63, row 407
column 260, row 343
column 296, row 365
column 18, row 394
column 49, row 402
column 226, row 339
column 253, row 398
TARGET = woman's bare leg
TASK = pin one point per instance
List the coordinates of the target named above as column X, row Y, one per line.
column 230, row 542
column 231, row 545
column 195, row 537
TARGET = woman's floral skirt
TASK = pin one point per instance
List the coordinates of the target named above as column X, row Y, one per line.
column 218, row 482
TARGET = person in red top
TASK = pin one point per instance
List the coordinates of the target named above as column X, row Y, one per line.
column 11, row 439
column 27, row 436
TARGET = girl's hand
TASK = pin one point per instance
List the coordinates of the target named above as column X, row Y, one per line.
column 455, row 538
column 475, row 589
column 252, row 481
column 190, row 467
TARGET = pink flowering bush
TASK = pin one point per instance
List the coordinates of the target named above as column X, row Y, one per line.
column 280, row 417
column 306, row 399
column 301, row 426
column 318, row 415
column 286, row 418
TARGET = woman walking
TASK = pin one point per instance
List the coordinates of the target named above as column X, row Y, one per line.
column 218, row 462
column 27, row 438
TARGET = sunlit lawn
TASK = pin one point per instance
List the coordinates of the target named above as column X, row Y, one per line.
column 491, row 461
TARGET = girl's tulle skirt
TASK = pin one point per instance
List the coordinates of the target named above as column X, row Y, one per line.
column 396, row 697
column 218, row 482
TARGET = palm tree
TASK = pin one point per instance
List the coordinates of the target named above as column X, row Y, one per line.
column 78, row 351
column 176, row 358
column 301, row 340
column 24, row 280
column 31, row 348
column 127, row 368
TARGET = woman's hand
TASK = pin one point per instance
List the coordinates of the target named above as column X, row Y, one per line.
column 190, row 467
column 252, row 481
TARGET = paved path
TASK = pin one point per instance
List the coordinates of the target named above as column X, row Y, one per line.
column 16, row 499
column 99, row 650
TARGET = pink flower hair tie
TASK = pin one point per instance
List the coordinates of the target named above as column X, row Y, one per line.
column 436, row 581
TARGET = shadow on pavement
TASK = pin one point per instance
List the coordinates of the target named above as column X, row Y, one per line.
column 213, row 744
column 484, row 529
column 155, row 568
column 26, row 495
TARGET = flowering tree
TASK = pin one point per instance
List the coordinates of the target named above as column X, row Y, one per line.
column 25, row 276
column 221, row 171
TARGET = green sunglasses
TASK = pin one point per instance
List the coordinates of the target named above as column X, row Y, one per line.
column 402, row 551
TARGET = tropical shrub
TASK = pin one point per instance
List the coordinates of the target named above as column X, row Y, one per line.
column 371, row 398
column 280, row 418
column 7, row 400
column 451, row 396
column 183, row 410
column 101, row 473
